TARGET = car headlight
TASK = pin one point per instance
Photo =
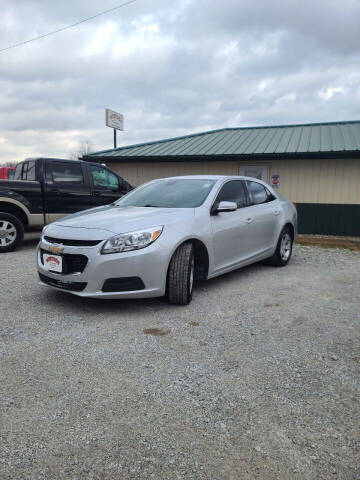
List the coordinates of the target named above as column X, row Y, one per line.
column 124, row 242
column 43, row 231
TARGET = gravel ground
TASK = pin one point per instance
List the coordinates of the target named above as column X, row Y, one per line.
column 257, row 379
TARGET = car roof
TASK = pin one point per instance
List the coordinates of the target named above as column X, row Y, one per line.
column 212, row 177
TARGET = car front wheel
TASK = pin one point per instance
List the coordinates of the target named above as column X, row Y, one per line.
column 180, row 281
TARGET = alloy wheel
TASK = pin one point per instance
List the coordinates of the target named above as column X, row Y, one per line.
column 7, row 233
column 285, row 247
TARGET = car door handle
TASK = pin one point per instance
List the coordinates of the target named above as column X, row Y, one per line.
column 276, row 212
column 249, row 220
column 54, row 190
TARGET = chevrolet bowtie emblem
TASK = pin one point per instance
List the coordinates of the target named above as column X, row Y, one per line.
column 55, row 249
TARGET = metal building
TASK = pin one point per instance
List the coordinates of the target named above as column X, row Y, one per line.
column 315, row 165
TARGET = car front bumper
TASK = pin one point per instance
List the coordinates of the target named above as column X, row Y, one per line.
column 149, row 265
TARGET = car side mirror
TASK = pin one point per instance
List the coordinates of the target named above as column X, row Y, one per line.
column 225, row 207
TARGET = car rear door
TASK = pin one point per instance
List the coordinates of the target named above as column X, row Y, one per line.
column 232, row 234
column 264, row 217
column 67, row 189
column 106, row 187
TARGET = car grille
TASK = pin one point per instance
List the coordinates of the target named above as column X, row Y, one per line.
column 124, row 284
column 71, row 286
column 72, row 263
column 72, row 243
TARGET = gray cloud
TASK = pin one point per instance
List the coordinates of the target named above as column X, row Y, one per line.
column 172, row 68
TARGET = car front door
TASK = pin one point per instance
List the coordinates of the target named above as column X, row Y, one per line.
column 106, row 186
column 66, row 189
column 264, row 212
column 232, row 234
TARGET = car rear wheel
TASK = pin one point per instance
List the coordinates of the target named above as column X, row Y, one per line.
column 11, row 232
column 180, row 281
column 283, row 250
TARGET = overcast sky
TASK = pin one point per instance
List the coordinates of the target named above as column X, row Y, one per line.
column 172, row 67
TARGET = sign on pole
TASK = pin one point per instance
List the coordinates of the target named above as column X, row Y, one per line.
column 114, row 120
column 275, row 180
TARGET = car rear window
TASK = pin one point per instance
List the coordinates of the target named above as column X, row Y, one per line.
column 258, row 193
column 26, row 171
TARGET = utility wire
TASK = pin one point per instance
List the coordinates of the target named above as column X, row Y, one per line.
column 68, row 26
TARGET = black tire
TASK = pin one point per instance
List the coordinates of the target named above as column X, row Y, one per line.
column 181, row 275
column 9, row 242
column 279, row 259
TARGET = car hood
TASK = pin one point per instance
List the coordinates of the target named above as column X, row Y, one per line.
column 112, row 219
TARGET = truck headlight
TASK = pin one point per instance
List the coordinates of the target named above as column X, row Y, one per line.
column 124, row 242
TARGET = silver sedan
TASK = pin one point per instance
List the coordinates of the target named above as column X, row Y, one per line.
column 164, row 235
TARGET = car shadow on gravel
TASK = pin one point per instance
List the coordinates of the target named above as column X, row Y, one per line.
column 100, row 305
column 78, row 305
column 30, row 241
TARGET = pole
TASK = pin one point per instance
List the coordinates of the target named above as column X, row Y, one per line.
column 114, row 137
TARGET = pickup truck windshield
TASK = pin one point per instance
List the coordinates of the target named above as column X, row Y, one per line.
column 169, row 193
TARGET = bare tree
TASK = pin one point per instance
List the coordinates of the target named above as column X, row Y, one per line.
column 84, row 148
column 9, row 164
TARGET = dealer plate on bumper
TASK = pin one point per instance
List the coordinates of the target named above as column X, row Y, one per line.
column 52, row 263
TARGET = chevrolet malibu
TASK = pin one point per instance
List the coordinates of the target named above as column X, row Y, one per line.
column 164, row 235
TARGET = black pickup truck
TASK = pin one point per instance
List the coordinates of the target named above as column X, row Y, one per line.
column 46, row 189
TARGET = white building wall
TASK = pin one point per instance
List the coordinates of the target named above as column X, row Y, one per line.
column 303, row 181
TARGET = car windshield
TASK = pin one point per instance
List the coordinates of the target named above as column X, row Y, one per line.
column 169, row 193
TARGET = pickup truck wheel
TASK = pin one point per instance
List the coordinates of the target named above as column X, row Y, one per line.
column 181, row 275
column 11, row 232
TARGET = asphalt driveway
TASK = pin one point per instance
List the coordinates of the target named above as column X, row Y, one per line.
column 258, row 378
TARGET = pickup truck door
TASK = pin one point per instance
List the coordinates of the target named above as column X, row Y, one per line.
column 105, row 185
column 67, row 189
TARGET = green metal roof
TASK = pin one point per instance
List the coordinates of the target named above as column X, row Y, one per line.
column 282, row 139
